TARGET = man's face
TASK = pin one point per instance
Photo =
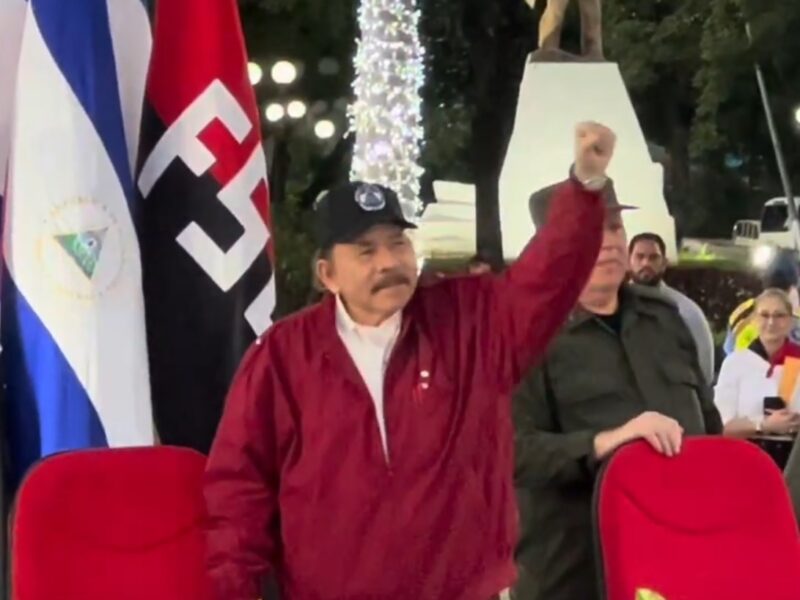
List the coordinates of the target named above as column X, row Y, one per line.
column 610, row 269
column 647, row 263
column 375, row 275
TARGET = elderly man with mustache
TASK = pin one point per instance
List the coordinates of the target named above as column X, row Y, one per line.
column 624, row 367
column 366, row 446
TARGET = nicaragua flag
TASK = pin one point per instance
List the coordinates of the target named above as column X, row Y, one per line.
column 73, row 328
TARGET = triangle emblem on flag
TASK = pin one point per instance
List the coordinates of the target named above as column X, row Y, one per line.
column 84, row 248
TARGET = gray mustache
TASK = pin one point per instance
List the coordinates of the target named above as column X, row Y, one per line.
column 390, row 281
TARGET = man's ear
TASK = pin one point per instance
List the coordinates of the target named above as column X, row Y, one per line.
column 324, row 275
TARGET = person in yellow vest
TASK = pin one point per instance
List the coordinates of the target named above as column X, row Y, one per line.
column 782, row 274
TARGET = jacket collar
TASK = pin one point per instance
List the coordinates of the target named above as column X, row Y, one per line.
column 411, row 325
column 788, row 350
column 629, row 303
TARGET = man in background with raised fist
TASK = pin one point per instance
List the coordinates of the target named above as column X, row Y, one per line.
column 623, row 367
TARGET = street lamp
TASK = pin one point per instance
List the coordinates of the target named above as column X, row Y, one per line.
column 254, row 73
column 797, row 116
column 283, row 72
column 274, row 112
column 296, row 109
column 324, row 129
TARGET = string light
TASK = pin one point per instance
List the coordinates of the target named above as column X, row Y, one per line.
column 324, row 129
column 386, row 115
column 283, row 72
column 296, row 109
column 274, row 112
column 254, row 73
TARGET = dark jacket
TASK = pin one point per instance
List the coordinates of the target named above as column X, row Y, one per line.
column 297, row 481
column 593, row 379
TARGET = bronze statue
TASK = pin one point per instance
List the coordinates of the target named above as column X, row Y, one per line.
column 553, row 20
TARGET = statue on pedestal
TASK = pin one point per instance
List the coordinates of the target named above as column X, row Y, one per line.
column 553, row 21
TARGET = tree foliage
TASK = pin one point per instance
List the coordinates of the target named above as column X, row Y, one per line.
column 687, row 63
column 690, row 68
column 729, row 98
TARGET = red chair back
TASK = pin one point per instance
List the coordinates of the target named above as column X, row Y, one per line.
column 123, row 524
column 714, row 522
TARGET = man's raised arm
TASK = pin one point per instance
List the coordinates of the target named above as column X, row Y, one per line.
column 533, row 298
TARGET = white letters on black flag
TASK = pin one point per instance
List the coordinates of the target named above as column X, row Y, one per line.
column 181, row 141
column 204, row 221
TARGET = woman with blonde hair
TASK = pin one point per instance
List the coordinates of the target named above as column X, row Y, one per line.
column 749, row 388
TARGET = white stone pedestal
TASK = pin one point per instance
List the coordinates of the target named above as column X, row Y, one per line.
column 553, row 98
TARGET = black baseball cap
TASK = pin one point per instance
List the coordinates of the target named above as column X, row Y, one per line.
column 347, row 211
column 539, row 202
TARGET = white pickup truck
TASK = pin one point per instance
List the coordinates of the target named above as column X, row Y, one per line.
column 773, row 230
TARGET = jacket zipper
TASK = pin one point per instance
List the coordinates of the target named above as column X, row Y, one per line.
column 388, row 374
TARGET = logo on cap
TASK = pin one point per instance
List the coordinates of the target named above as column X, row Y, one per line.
column 370, row 198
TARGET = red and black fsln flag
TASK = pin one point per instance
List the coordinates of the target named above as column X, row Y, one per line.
column 204, row 216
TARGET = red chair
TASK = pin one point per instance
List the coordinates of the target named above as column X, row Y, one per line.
column 120, row 524
column 714, row 522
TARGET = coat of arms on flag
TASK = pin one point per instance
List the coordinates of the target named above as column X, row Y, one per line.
column 72, row 305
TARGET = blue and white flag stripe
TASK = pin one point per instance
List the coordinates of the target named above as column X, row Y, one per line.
column 78, row 38
column 131, row 36
column 72, row 310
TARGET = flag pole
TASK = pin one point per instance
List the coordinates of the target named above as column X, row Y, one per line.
column 776, row 142
column 5, row 503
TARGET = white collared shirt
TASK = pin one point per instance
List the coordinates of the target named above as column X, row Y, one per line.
column 370, row 348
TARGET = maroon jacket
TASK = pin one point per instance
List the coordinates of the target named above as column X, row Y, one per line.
column 297, row 481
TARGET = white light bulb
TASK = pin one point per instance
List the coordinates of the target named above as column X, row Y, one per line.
column 254, row 73
column 797, row 115
column 274, row 112
column 296, row 109
column 324, row 129
column 283, row 72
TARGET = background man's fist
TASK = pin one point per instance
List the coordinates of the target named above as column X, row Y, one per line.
column 594, row 147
